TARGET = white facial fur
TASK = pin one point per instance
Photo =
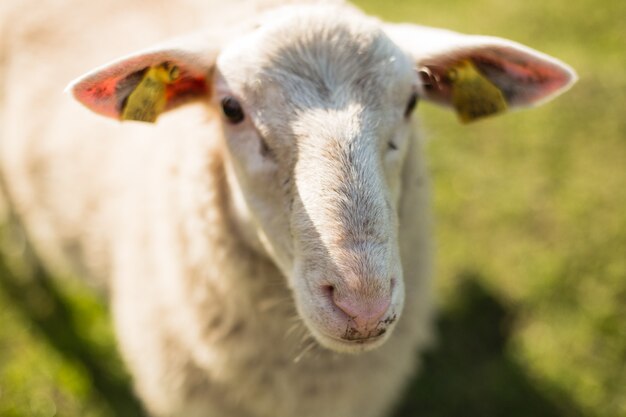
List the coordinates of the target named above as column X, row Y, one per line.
column 317, row 163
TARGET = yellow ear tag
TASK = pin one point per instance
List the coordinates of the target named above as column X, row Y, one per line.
column 473, row 95
column 147, row 100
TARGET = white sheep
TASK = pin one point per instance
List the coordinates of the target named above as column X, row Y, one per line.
column 267, row 253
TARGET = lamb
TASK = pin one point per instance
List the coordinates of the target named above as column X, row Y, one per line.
column 266, row 251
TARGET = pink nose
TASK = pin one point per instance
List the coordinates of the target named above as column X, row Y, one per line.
column 366, row 314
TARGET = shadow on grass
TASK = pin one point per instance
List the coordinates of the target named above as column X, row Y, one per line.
column 36, row 296
column 470, row 373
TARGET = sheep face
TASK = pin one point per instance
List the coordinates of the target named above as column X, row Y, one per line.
column 317, row 121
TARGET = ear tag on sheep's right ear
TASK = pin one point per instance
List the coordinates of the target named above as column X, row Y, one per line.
column 148, row 99
column 473, row 95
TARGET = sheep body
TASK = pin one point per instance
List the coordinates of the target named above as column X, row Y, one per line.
column 147, row 208
column 232, row 296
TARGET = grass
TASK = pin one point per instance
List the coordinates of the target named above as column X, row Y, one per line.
column 531, row 254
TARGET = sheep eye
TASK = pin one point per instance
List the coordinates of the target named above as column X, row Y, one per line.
column 411, row 105
column 232, row 110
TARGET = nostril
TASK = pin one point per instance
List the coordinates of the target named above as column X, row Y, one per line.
column 328, row 291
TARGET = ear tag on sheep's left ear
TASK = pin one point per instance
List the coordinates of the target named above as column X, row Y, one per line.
column 473, row 95
column 148, row 99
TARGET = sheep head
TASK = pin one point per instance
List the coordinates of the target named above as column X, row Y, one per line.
column 316, row 106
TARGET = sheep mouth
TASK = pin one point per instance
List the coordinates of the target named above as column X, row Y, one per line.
column 354, row 343
column 362, row 340
column 352, row 335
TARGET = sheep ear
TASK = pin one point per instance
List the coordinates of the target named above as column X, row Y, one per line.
column 480, row 75
column 143, row 85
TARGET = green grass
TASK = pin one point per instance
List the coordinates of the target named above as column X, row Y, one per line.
column 531, row 253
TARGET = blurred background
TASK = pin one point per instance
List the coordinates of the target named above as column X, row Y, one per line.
column 531, row 248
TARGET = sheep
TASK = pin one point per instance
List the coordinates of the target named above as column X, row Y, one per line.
column 267, row 251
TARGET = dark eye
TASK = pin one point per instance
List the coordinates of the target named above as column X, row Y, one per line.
column 232, row 110
column 411, row 105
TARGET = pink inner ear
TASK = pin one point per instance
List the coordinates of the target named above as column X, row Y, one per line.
column 525, row 78
column 184, row 89
column 100, row 90
column 99, row 95
column 104, row 97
